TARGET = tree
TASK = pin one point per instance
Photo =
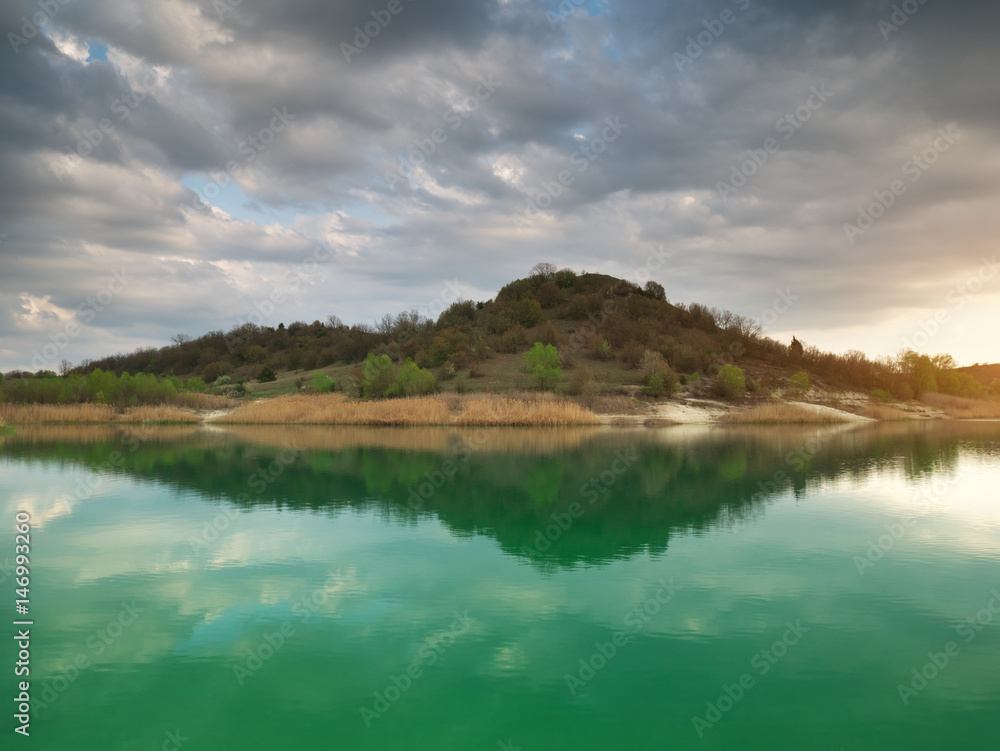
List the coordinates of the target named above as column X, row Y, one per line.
column 730, row 383
column 543, row 363
column 266, row 375
column 180, row 338
column 65, row 366
column 545, row 270
column 796, row 350
column 655, row 290
column 548, row 295
column 377, row 376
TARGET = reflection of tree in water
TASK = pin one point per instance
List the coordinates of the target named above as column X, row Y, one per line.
column 678, row 481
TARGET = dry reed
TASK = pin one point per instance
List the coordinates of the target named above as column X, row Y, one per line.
column 776, row 412
column 517, row 412
column 34, row 414
column 960, row 408
column 883, row 412
column 335, row 409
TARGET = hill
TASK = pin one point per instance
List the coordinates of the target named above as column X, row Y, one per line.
column 611, row 336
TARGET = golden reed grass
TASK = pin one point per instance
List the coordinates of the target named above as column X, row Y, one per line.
column 777, row 412
column 960, row 408
column 33, row 414
column 518, row 412
column 883, row 412
column 335, row 409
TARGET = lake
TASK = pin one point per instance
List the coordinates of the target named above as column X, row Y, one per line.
column 432, row 588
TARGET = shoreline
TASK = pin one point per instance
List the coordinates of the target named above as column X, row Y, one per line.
column 523, row 409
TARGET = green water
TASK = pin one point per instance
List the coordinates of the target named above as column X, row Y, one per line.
column 661, row 589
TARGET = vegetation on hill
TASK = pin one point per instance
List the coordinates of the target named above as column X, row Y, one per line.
column 558, row 329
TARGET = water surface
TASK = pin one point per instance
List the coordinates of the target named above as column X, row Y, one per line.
column 686, row 588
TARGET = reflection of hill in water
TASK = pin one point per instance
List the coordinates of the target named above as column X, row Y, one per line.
column 506, row 483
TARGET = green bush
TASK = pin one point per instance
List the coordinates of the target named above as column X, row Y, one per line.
column 414, row 381
column 266, row 375
column 543, row 362
column 321, row 383
column 377, row 376
column 222, row 381
column 196, row 385
column 663, row 382
column 881, row 395
column 799, row 382
column 730, row 383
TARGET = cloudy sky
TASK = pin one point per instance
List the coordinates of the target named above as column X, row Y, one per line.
column 174, row 166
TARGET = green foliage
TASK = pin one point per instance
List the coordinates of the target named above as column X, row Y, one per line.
column 377, row 377
column 412, row 381
column 321, row 383
column 881, row 395
column 222, row 381
column 196, row 385
column 543, row 362
column 799, row 382
column 266, row 375
column 526, row 313
column 730, row 383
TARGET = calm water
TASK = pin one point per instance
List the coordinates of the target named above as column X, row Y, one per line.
column 435, row 589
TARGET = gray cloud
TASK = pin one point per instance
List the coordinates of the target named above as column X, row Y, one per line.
column 194, row 87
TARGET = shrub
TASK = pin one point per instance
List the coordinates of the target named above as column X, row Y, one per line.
column 730, row 382
column 196, row 385
column 414, row 381
column 526, row 313
column 799, row 382
column 212, row 371
column 655, row 290
column 543, row 363
column 881, row 395
column 377, row 376
column 548, row 295
column 321, row 383
column 222, row 381
column 600, row 349
column 904, row 391
column 584, row 383
column 632, row 355
column 663, row 382
column 266, row 375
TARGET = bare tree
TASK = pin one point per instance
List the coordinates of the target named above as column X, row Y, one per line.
column 180, row 338
column 547, row 270
column 334, row 321
column 65, row 366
